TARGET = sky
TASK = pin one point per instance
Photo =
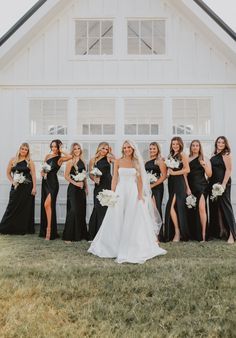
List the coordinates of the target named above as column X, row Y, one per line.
column 12, row 10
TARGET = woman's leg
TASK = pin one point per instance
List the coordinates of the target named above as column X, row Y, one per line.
column 48, row 210
column 203, row 216
column 174, row 218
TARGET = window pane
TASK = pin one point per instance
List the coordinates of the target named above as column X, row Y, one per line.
column 147, row 114
column 146, row 45
column 48, row 117
column 96, row 116
column 94, row 46
column 94, row 29
column 133, row 46
column 146, row 28
column 107, row 29
column 81, row 29
column 133, row 28
column 81, row 46
column 106, row 47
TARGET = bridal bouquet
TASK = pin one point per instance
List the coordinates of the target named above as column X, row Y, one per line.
column 107, row 198
column 19, row 178
column 217, row 190
column 96, row 172
column 172, row 163
column 45, row 169
column 79, row 177
column 191, row 201
column 151, row 177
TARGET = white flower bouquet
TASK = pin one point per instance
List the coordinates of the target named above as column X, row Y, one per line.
column 107, row 198
column 191, row 201
column 172, row 163
column 151, row 177
column 217, row 190
column 19, row 178
column 46, row 168
column 79, row 177
column 96, row 172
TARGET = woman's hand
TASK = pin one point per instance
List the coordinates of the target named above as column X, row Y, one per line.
column 140, row 197
column 172, row 172
column 188, row 191
column 80, row 185
column 33, row 192
column 203, row 163
column 96, row 179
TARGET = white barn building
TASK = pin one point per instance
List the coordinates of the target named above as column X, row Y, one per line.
column 94, row 70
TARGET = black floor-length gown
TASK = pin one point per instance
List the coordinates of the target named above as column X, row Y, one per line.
column 18, row 218
column 50, row 185
column 176, row 187
column 75, row 225
column 199, row 186
column 158, row 190
column 222, row 205
column 99, row 211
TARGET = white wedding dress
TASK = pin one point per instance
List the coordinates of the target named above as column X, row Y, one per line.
column 127, row 232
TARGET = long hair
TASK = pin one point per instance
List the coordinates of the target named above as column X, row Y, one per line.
column 227, row 149
column 181, row 146
column 17, row 158
column 134, row 157
column 74, row 144
column 200, row 154
column 97, row 154
column 155, row 144
column 58, row 144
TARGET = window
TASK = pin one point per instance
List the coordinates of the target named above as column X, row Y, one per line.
column 48, row 117
column 93, row 37
column 146, row 37
column 143, row 116
column 191, row 116
column 96, row 117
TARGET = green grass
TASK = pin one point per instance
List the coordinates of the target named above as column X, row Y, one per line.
column 50, row 289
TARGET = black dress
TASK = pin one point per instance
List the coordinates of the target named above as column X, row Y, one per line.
column 158, row 190
column 223, row 204
column 50, row 185
column 99, row 211
column 75, row 226
column 18, row 218
column 199, row 186
column 177, row 187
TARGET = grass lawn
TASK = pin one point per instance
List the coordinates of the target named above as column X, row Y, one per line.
column 50, row 289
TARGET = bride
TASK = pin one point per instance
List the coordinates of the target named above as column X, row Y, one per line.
column 129, row 229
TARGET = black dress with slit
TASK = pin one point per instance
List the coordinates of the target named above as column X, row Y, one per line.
column 18, row 218
column 199, row 187
column 50, row 185
column 221, row 208
column 75, row 225
column 158, row 190
column 99, row 211
column 176, row 187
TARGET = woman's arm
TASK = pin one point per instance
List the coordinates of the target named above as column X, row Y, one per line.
column 33, row 174
column 163, row 176
column 206, row 164
column 9, row 167
column 115, row 176
column 188, row 190
column 140, row 187
column 183, row 171
column 228, row 165
column 67, row 176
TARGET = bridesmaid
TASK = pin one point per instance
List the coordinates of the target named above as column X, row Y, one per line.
column 156, row 165
column 197, row 185
column 102, row 160
column 75, row 226
column 175, row 228
column 50, row 187
column 222, row 221
column 18, row 218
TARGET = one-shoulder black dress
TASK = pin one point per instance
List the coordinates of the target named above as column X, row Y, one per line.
column 199, row 186
column 222, row 205
column 176, row 187
column 75, row 225
column 50, row 185
column 18, row 218
column 99, row 211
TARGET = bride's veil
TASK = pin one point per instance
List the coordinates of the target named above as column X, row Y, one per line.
column 155, row 216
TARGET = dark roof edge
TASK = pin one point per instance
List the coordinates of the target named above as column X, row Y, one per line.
column 21, row 21
column 216, row 18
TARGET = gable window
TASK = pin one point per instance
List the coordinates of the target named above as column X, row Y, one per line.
column 143, row 116
column 146, row 37
column 48, row 117
column 93, row 37
column 96, row 117
column 191, row 116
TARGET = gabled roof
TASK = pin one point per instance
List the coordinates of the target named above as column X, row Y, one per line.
column 40, row 3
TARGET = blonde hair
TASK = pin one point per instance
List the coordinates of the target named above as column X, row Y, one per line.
column 134, row 157
column 17, row 158
column 97, row 154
